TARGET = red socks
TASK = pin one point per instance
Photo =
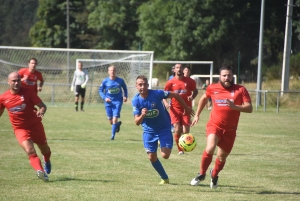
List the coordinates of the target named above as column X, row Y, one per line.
column 35, row 162
column 205, row 162
column 218, row 167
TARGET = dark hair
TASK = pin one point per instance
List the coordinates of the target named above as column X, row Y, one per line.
column 142, row 77
column 32, row 59
column 187, row 67
column 225, row 68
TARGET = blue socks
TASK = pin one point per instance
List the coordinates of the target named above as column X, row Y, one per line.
column 113, row 130
column 160, row 169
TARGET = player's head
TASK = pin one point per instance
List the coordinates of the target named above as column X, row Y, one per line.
column 14, row 81
column 207, row 82
column 142, row 84
column 187, row 71
column 32, row 63
column 226, row 76
column 178, row 69
column 80, row 66
column 112, row 71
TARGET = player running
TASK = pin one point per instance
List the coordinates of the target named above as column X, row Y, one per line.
column 30, row 76
column 186, row 88
column 229, row 100
column 27, row 122
column 150, row 112
column 111, row 92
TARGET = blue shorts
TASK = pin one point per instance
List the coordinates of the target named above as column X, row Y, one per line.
column 150, row 140
column 113, row 109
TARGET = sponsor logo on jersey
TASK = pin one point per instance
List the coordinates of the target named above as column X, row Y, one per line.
column 113, row 90
column 18, row 108
column 152, row 113
column 181, row 91
column 221, row 102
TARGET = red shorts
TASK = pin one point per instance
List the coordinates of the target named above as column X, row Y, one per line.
column 177, row 116
column 226, row 137
column 36, row 133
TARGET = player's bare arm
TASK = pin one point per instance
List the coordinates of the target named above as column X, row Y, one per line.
column 42, row 109
column 245, row 107
column 40, row 85
column 139, row 118
column 201, row 104
column 1, row 112
column 187, row 109
column 167, row 105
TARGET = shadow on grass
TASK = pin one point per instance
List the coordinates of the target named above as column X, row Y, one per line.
column 79, row 179
column 276, row 192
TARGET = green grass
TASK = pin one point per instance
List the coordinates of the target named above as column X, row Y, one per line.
column 87, row 165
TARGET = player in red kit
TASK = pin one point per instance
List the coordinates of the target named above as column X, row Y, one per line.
column 228, row 100
column 186, row 88
column 26, row 122
column 30, row 76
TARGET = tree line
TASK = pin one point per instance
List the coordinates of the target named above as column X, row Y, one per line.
column 201, row 30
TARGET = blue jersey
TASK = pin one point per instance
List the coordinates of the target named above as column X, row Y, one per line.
column 112, row 89
column 157, row 118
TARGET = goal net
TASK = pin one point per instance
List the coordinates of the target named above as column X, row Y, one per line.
column 58, row 65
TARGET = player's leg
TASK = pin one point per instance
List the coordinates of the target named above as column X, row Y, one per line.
column 82, row 94
column 166, row 143
column 117, row 114
column 150, row 145
column 77, row 90
column 109, row 114
column 225, row 147
column 186, row 123
column 212, row 139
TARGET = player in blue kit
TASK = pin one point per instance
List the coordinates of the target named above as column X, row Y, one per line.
column 111, row 92
column 150, row 112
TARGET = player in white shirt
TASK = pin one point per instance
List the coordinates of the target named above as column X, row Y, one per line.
column 80, row 79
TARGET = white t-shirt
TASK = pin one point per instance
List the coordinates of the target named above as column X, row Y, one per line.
column 80, row 77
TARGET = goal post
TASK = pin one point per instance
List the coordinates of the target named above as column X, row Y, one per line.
column 58, row 65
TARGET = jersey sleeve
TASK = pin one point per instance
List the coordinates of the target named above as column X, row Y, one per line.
column 208, row 91
column 193, row 84
column 101, row 90
column 40, row 77
column 125, row 89
column 135, row 106
column 168, row 86
column 86, row 77
column 245, row 95
column 74, row 79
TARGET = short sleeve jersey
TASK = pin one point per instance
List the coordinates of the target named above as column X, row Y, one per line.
column 31, row 81
column 183, row 87
column 157, row 118
column 221, row 115
column 112, row 89
column 80, row 77
column 20, row 108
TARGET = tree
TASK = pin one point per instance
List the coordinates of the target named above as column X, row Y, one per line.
column 116, row 22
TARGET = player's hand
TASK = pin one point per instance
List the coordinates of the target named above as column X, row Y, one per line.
column 83, row 86
column 124, row 99
column 71, row 88
column 39, row 88
column 39, row 114
column 144, row 111
column 189, row 111
column 230, row 104
column 107, row 100
column 190, row 98
column 195, row 120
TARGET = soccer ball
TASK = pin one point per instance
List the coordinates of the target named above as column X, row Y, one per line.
column 187, row 142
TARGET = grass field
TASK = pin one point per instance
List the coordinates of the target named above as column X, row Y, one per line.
column 87, row 165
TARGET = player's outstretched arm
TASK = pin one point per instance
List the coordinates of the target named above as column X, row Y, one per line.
column 201, row 104
column 187, row 109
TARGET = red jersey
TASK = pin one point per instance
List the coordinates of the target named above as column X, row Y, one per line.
column 31, row 81
column 20, row 107
column 183, row 87
column 221, row 115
